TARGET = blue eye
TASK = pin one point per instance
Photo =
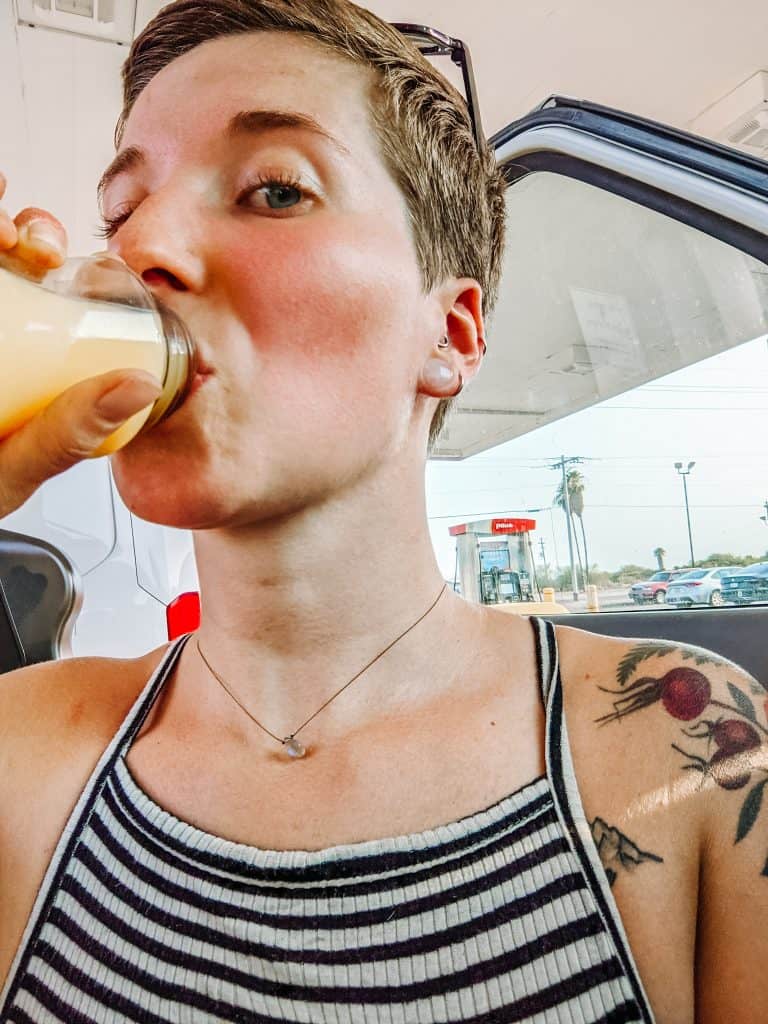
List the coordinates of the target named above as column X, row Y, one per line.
column 281, row 197
column 275, row 193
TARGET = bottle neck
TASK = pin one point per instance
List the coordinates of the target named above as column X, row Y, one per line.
column 180, row 366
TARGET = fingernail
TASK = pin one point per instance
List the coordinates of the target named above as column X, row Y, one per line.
column 40, row 232
column 128, row 397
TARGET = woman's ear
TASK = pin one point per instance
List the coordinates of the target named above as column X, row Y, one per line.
column 456, row 356
column 465, row 327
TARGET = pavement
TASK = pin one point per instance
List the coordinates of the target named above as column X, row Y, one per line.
column 610, row 600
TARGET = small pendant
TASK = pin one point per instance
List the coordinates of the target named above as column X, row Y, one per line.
column 293, row 748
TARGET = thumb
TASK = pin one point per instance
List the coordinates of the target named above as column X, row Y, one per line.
column 70, row 429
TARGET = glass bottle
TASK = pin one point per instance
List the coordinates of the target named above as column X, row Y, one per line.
column 87, row 317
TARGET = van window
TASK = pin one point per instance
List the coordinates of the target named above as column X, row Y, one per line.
column 629, row 356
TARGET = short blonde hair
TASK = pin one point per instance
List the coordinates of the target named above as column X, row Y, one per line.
column 453, row 192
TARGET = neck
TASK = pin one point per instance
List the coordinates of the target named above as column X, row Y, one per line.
column 294, row 609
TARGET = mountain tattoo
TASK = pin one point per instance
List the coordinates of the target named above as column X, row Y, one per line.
column 616, row 851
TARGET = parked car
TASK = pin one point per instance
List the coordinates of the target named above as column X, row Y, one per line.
column 655, row 589
column 747, row 585
column 699, row 586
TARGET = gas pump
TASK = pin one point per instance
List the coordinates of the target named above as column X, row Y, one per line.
column 495, row 565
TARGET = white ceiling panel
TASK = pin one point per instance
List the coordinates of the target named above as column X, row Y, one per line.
column 14, row 134
column 60, row 93
column 71, row 100
column 665, row 60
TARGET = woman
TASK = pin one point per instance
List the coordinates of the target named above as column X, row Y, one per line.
column 335, row 802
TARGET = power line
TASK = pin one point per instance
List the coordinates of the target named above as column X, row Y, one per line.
column 750, row 505
column 496, row 514
column 681, row 408
column 713, row 455
column 702, row 388
column 543, row 463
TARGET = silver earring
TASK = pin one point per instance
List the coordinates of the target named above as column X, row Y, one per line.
column 444, row 343
column 460, row 388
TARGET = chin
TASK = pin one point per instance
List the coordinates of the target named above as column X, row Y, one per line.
column 171, row 490
column 179, row 507
column 188, row 493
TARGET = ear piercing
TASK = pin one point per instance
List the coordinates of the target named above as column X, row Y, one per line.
column 437, row 373
column 444, row 343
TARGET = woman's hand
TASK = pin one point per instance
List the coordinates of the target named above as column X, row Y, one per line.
column 78, row 421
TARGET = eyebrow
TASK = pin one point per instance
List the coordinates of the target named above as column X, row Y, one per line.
column 247, row 122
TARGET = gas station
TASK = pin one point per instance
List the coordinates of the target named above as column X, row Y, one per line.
column 494, row 560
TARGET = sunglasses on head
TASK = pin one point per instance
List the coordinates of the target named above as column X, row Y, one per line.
column 436, row 44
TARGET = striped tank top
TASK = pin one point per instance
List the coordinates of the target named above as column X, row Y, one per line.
column 505, row 915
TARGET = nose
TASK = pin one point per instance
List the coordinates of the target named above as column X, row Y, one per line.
column 161, row 242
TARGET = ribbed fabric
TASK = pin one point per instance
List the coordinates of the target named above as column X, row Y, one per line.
column 502, row 916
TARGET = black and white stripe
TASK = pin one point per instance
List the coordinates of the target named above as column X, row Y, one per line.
column 499, row 917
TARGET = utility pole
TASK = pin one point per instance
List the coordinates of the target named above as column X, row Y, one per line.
column 561, row 464
column 684, row 474
column 765, row 517
column 543, row 551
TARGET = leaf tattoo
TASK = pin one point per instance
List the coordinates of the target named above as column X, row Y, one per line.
column 657, row 649
column 742, row 702
column 750, row 810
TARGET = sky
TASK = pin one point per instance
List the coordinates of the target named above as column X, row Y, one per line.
column 714, row 413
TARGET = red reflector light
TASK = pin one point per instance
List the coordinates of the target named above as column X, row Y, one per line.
column 183, row 614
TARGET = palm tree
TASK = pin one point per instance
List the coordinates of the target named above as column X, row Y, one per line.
column 658, row 554
column 576, row 485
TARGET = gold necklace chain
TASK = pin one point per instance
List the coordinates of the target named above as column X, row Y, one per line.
column 290, row 743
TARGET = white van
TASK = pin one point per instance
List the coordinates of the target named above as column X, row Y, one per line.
column 83, row 576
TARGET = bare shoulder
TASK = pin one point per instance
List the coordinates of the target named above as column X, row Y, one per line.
column 674, row 715
column 57, row 712
column 670, row 744
column 56, row 720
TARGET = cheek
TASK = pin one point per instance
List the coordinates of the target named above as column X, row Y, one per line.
column 316, row 355
column 325, row 292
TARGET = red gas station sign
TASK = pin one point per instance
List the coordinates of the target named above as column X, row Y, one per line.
column 513, row 525
column 488, row 527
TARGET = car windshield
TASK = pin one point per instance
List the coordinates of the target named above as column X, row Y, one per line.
column 758, row 569
column 615, row 376
column 694, row 574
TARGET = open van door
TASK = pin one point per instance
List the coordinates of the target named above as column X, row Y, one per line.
column 633, row 250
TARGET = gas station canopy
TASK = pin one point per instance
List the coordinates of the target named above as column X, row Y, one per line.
column 489, row 527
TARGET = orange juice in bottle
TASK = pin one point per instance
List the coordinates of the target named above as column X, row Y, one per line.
column 86, row 318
